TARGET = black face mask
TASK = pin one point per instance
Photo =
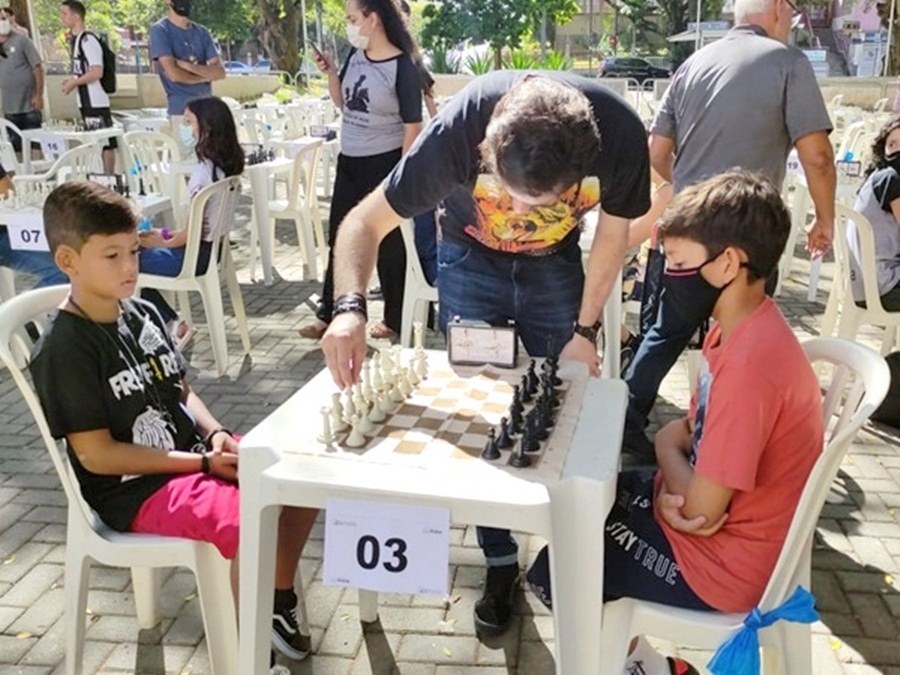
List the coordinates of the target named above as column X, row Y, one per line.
column 893, row 161
column 182, row 7
column 693, row 296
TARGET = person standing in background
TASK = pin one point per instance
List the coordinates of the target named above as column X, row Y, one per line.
column 187, row 59
column 87, row 68
column 21, row 79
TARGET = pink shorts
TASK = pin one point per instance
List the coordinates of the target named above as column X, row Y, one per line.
column 194, row 506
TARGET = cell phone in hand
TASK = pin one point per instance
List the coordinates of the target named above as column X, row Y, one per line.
column 318, row 51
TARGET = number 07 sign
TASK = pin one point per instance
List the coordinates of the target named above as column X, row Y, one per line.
column 390, row 548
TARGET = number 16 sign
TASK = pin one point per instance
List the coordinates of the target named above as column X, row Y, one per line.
column 391, row 548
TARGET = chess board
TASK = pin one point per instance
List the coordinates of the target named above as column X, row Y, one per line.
column 448, row 415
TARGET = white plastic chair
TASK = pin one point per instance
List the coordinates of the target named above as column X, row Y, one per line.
column 417, row 292
column 859, row 382
column 7, row 284
column 155, row 156
column 88, row 539
column 73, row 164
column 852, row 316
column 302, row 207
column 207, row 284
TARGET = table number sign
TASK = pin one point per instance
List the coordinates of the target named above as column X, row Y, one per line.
column 52, row 146
column 390, row 548
column 26, row 232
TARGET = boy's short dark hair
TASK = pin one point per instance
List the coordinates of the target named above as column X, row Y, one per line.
column 542, row 136
column 75, row 6
column 77, row 210
column 9, row 11
column 736, row 208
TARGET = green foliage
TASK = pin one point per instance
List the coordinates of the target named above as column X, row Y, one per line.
column 479, row 65
column 500, row 23
column 521, row 59
column 233, row 20
column 555, row 61
column 442, row 62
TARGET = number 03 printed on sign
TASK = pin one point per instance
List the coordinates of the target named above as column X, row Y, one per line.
column 390, row 548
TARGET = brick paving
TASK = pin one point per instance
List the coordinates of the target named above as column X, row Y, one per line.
column 856, row 559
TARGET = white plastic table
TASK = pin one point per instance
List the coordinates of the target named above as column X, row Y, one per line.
column 32, row 218
column 258, row 176
column 94, row 137
column 569, row 511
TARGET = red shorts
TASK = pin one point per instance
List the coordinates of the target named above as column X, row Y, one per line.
column 194, row 506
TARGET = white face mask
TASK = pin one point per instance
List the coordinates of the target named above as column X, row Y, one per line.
column 354, row 37
column 187, row 137
column 5, row 27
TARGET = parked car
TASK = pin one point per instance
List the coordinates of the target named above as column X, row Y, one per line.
column 632, row 67
column 263, row 65
column 236, row 67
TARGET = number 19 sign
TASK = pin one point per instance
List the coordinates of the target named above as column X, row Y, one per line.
column 391, row 548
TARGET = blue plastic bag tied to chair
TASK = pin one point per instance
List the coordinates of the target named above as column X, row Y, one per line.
column 739, row 655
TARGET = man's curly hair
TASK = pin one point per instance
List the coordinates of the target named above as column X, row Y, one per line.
column 542, row 137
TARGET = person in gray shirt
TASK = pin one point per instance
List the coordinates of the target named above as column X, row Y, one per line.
column 743, row 101
column 21, row 79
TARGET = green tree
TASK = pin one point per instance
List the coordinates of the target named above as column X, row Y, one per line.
column 500, row 23
column 279, row 31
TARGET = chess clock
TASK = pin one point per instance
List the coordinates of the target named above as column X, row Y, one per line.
column 475, row 343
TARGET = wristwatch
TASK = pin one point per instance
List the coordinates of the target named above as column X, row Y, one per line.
column 587, row 332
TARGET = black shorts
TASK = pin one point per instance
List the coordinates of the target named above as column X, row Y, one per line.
column 27, row 120
column 106, row 121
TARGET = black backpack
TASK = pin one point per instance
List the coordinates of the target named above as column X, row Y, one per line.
column 889, row 410
column 108, row 79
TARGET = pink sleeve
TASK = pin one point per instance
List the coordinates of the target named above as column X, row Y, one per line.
column 741, row 414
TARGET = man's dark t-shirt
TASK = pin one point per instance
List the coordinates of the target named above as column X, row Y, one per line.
column 444, row 165
column 125, row 377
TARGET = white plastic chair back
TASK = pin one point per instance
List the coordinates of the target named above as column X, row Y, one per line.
column 859, row 380
column 152, row 156
column 417, row 292
column 74, row 164
column 88, row 538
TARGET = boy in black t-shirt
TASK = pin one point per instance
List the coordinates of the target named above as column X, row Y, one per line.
column 148, row 454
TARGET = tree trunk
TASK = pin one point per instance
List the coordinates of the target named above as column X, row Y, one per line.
column 279, row 32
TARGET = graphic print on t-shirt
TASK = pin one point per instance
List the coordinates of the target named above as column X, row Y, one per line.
column 704, row 383
column 357, row 98
column 499, row 227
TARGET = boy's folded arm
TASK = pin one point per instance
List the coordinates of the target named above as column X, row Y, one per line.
column 708, row 499
column 673, row 442
column 101, row 454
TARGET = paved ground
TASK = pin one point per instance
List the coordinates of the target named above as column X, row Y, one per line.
column 856, row 560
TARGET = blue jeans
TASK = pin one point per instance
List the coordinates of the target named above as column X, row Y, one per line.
column 38, row 263
column 167, row 262
column 541, row 294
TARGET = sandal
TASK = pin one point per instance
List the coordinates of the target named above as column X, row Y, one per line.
column 313, row 331
column 182, row 334
column 381, row 332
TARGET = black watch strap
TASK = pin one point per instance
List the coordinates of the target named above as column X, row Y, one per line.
column 204, row 463
column 587, row 332
column 350, row 302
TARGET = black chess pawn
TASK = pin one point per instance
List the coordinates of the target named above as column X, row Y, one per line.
column 532, row 379
column 518, row 458
column 545, row 412
column 491, row 451
column 529, row 440
column 538, row 429
column 525, row 395
column 505, row 440
column 515, row 418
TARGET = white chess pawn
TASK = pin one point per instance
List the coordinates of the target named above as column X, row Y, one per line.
column 365, row 424
column 359, row 401
column 403, row 382
column 376, row 414
column 377, row 381
column 386, row 402
column 326, row 437
column 349, row 406
column 356, row 438
column 417, row 331
column 396, row 392
column 337, row 413
column 421, row 365
column 367, row 375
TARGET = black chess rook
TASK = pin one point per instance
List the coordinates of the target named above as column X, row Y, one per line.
column 518, row 458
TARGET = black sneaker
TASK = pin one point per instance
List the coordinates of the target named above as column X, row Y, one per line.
column 286, row 635
column 637, row 449
column 494, row 610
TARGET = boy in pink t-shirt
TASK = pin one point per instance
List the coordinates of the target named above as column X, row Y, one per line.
column 705, row 530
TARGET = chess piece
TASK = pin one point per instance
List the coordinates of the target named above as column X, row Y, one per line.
column 349, row 406
column 403, row 383
column 421, row 364
column 386, row 403
column 518, row 458
column 532, row 379
column 337, row 413
column 529, row 440
column 515, row 418
column 417, row 332
column 326, row 436
column 376, row 414
column 377, row 381
column 505, row 440
column 396, row 393
column 491, row 451
column 356, row 438
column 366, row 426
column 524, row 394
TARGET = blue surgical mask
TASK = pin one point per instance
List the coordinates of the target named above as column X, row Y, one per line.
column 187, row 137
